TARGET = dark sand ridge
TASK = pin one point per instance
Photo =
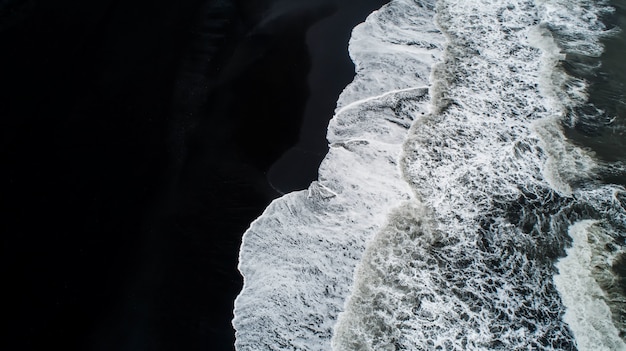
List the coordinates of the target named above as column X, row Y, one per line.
column 135, row 141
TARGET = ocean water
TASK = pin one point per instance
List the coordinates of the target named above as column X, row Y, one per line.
column 473, row 195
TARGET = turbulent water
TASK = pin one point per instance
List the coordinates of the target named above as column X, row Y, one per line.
column 452, row 212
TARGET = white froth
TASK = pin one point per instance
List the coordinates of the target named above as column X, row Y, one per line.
column 393, row 49
column 298, row 258
column 587, row 314
column 494, row 171
column 445, row 198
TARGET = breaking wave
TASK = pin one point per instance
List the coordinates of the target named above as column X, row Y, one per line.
column 451, row 212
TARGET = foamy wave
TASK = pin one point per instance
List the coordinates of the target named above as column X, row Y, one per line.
column 588, row 314
column 470, row 267
column 298, row 258
column 447, row 195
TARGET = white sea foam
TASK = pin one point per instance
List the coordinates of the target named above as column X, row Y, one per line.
column 588, row 314
column 471, row 267
column 447, row 194
column 298, row 258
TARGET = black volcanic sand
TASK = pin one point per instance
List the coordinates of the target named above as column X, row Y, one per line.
column 136, row 136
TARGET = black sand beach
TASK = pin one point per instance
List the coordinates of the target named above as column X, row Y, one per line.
column 136, row 139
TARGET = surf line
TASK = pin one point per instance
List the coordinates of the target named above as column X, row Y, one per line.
column 372, row 98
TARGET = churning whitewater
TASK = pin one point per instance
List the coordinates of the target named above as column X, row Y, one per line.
column 451, row 212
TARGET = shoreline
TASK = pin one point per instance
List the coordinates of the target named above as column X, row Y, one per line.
column 331, row 71
column 135, row 164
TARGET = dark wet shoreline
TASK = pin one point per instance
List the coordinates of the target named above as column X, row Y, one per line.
column 331, row 71
column 136, row 138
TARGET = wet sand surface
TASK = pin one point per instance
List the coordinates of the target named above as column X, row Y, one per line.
column 136, row 141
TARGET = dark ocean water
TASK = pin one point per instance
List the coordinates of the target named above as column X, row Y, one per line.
column 136, row 137
column 605, row 135
column 601, row 124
